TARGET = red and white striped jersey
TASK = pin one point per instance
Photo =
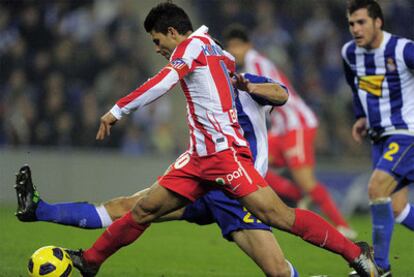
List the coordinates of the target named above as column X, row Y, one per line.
column 293, row 115
column 201, row 67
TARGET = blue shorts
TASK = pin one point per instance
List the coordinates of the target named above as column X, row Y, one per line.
column 217, row 207
column 395, row 155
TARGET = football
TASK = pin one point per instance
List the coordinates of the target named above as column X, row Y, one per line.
column 50, row 261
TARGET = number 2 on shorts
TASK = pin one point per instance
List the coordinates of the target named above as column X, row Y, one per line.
column 393, row 148
column 248, row 218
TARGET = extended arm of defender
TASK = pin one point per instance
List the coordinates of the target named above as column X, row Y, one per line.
column 272, row 92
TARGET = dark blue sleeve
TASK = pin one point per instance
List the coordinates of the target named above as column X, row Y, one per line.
column 408, row 54
column 350, row 78
column 260, row 80
column 257, row 79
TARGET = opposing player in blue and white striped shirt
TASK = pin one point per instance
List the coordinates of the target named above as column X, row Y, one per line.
column 379, row 67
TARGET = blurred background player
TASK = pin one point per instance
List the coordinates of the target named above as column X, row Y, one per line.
column 291, row 136
column 238, row 225
column 379, row 68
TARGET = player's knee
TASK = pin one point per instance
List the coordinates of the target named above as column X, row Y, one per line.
column 377, row 189
column 116, row 208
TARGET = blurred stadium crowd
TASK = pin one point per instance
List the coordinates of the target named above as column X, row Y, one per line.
column 64, row 63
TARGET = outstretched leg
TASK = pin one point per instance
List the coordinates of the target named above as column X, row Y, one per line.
column 30, row 207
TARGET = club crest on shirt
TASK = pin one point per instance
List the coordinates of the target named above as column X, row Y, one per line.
column 178, row 63
column 371, row 84
column 391, row 66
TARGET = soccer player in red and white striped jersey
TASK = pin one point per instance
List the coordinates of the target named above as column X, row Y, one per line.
column 218, row 156
column 291, row 135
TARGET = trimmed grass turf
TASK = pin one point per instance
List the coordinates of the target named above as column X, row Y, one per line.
column 178, row 249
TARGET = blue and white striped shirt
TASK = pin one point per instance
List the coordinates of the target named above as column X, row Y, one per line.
column 382, row 80
column 251, row 113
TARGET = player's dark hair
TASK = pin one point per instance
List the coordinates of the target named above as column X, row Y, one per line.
column 166, row 15
column 374, row 9
column 236, row 31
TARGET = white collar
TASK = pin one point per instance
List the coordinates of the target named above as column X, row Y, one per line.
column 200, row 31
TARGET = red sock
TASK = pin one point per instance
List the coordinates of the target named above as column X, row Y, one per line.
column 314, row 229
column 321, row 197
column 283, row 187
column 120, row 233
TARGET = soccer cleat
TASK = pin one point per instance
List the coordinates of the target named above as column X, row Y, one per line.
column 382, row 273
column 27, row 195
column 87, row 270
column 364, row 264
column 347, row 232
column 385, row 272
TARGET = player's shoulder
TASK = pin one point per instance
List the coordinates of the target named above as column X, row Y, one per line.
column 191, row 42
column 406, row 43
column 188, row 49
column 347, row 48
column 398, row 43
column 398, row 38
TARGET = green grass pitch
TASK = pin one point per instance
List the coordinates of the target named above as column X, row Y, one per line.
column 183, row 249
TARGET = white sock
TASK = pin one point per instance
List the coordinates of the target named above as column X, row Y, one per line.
column 103, row 215
column 403, row 215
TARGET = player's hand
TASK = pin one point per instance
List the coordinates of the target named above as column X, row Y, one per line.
column 240, row 82
column 359, row 129
column 107, row 120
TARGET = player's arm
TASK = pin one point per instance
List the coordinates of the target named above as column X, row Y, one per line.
column 181, row 64
column 408, row 54
column 263, row 90
column 143, row 95
column 359, row 129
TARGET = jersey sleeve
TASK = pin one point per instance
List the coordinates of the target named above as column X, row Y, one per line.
column 408, row 54
column 151, row 90
column 260, row 80
column 350, row 79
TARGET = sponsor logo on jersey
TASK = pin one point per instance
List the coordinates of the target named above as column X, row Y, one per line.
column 230, row 177
column 372, row 84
